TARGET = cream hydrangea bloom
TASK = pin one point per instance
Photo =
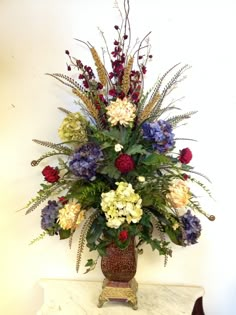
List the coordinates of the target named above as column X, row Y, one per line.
column 68, row 214
column 121, row 205
column 122, row 112
column 73, row 127
column 179, row 194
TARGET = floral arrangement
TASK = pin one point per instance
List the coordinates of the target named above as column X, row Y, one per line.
column 119, row 174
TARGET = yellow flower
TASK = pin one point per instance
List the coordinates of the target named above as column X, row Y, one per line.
column 179, row 194
column 122, row 112
column 68, row 214
column 73, row 127
column 175, row 226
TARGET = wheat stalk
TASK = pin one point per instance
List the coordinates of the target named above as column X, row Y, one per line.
column 90, row 107
column 148, row 108
column 126, row 77
column 100, row 67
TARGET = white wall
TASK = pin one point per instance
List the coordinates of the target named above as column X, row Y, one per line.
column 33, row 37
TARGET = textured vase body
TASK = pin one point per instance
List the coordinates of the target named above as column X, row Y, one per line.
column 120, row 265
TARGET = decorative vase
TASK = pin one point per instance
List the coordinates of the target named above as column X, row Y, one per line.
column 119, row 268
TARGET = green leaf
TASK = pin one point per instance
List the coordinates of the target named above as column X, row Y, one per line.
column 156, row 159
column 136, row 148
column 64, row 234
column 90, row 262
column 113, row 134
column 94, row 232
column 174, row 235
column 110, row 170
column 155, row 244
column 101, row 248
column 106, row 145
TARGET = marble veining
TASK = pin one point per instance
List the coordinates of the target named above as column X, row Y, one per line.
column 73, row 297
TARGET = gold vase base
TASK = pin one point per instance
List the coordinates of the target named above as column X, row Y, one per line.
column 119, row 292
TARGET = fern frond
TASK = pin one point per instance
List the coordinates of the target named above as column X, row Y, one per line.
column 64, row 110
column 64, row 79
column 187, row 139
column 45, row 156
column 40, row 237
column 195, row 206
column 54, row 146
column 161, row 232
column 178, row 118
column 73, row 228
column 41, row 197
column 160, row 81
column 198, row 173
column 201, row 185
column 167, row 89
column 85, row 228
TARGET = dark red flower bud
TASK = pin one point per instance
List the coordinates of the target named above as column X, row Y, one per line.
column 150, row 56
column 140, row 57
column 101, row 97
column 99, row 86
column 135, row 96
column 63, row 200
column 116, row 43
column 185, row 176
column 116, row 27
column 111, row 75
column 125, row 36
column 85, row 84
column 112, row 92
column 185, row 156
column 68, row 68
column 67, row 52
column 79, row 63
column 144, row 69
column 123, row 235
column 50, row 174
column 124, row 163
column 81, row 76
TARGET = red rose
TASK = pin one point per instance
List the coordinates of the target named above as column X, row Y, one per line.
column 185, row 156
column 123, row 236
column 124, row 163
column 51, row 174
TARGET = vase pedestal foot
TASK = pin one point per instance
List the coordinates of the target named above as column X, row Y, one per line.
column 120, row 292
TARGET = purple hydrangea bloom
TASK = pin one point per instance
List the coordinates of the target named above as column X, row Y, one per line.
column 83, row 162
column 160, row 133
column 49, row 215
column 192, row 228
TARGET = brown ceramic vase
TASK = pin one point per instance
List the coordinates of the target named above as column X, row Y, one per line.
column 120, row 264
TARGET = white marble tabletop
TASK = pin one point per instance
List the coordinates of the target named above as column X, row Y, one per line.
column 73, row 297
